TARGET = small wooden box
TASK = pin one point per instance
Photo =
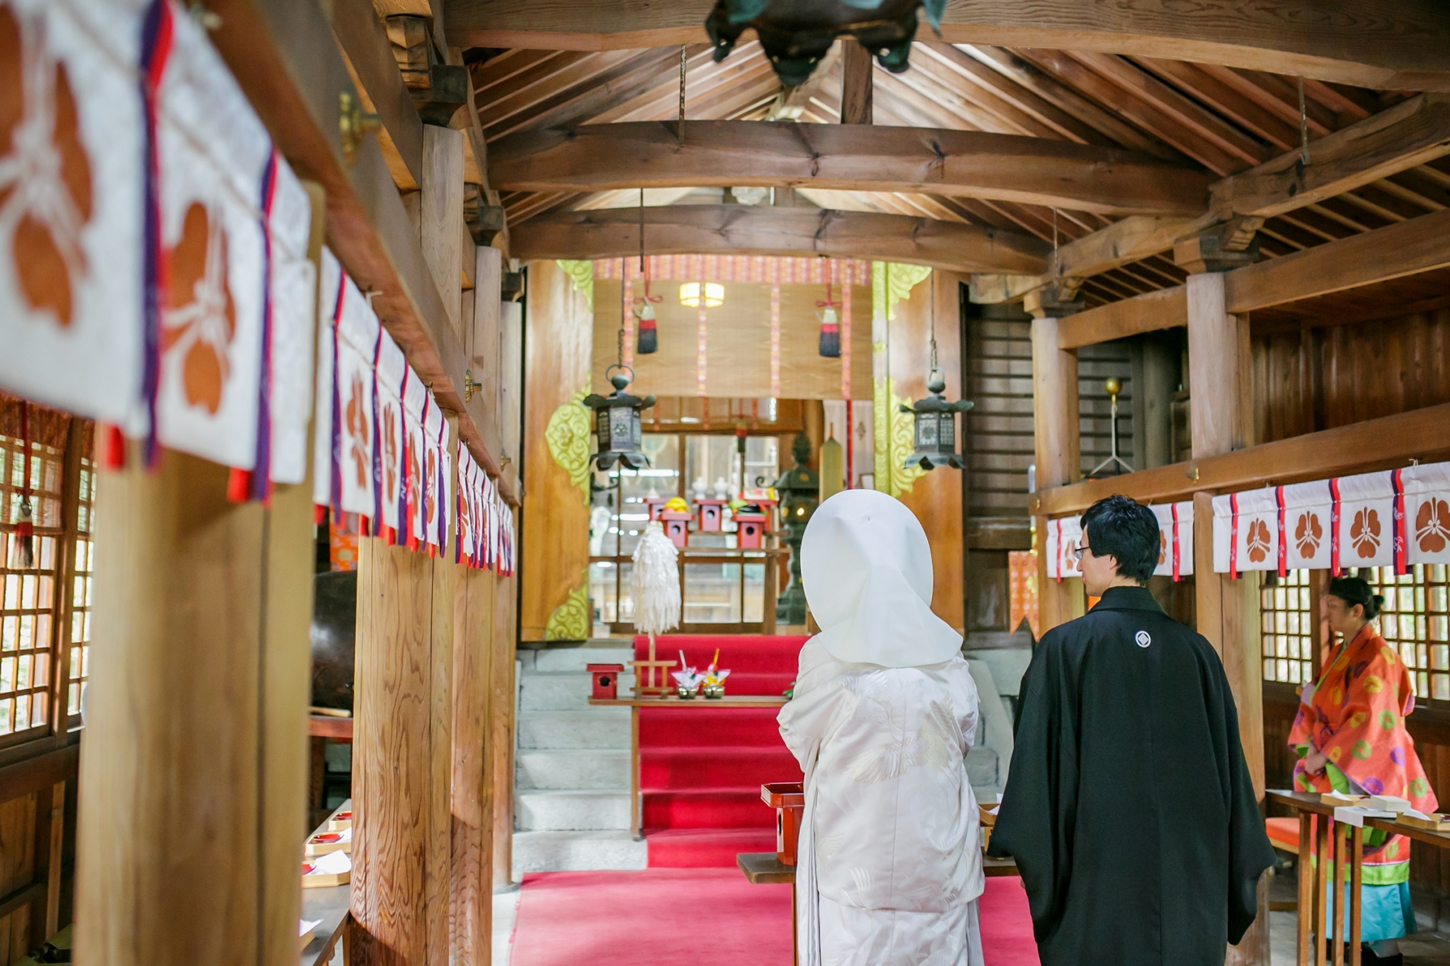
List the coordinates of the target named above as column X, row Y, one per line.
column 1328, row 799
column 340, row 821
column 789, row 801
column 325, row 842
column 712, row 514
column 750, row 531
column 677, row 526
column 605, row 679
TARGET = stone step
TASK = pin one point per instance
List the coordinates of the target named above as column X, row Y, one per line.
column 570, row 769
column 587, row 728
column 576, row 852
column 556, row 659
column 571, row 810
column 561, row 690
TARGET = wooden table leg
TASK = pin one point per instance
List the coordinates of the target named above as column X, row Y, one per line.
column 1321, row 888
column 1306, row 887
column 1356, row 868
column 1341, row 914
column 634, row 805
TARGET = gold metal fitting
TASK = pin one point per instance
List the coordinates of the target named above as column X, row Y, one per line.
column 353, row 122
column 469, row 386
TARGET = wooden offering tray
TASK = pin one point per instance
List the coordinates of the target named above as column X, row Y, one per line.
column 1330, row 798
column 322, row 880
column 339, row 821
column 325, row 842
column 1438, row 822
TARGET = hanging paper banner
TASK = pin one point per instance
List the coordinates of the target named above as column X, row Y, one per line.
column 1305, row 510
column 415, row 400
column 326, row 471
column 1427, row 513
column 72, row 158
column 294, row 299
column 391, row 370
column 1064, row 535
column 437, row 494
column 1175, row 539
column 232, row 287
column 465, row 535
column 356, row 344
column 1246, row 532
column 1365, row 510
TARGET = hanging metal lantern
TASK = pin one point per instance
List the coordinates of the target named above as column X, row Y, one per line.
column 935, row 436
column 617, row 429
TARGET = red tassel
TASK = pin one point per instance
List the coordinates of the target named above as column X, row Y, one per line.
column 238, row 483
column 319, row 514
column 112, row 446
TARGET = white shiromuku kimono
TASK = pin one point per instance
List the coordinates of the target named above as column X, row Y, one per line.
column 889, row 861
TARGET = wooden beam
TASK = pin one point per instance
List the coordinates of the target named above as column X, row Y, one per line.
column 1408, row 248
column 284, row 57
column 1389, row 44
column 1402, row 137
column 1373, row 444
column 1118, row 244
column 1149, row 312
column 1392, row 141
column 739, row 229
column 854, row 157
column 856, row 83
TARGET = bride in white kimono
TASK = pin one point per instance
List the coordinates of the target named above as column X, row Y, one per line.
column 889, row 862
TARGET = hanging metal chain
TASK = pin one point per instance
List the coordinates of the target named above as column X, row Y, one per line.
column 1303, row 126
column 641, row 231
column 931, row 281
column 1056, row 264
column 683, row 61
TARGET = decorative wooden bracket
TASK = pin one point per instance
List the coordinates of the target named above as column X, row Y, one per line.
column 1056, row 299
column 438, row 89
column 512, row 287
column 483, row 220
column 1233, row 244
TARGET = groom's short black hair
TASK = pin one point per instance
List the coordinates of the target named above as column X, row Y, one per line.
column 1125, row 529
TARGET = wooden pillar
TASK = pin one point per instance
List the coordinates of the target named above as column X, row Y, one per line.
column 194, row 759
column 501, row 740
column 441, row 217
column 471, row 859
column 856, row 83
column 1228, row 610
column 403, row 753
column 1058, row 457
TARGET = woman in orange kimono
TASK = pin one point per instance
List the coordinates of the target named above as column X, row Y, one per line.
column 1350, row 735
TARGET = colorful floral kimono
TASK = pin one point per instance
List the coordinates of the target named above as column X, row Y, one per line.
column 1355, row 716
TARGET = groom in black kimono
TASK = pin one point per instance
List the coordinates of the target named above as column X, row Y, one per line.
column 1129, row 808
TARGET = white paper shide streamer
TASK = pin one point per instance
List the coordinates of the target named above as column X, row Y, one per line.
column 656, row 582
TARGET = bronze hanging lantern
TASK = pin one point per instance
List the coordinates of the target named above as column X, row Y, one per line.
column 617, row 430
column 795, row 35
column 935, row 432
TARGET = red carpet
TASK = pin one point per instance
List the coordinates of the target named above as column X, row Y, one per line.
column 701, row 768
column 701, row 917
column 693, row 917
column 1006, row 924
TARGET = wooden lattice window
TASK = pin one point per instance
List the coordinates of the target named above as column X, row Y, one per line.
column 1414, row 621
column 1288, row 638
column 77, row 658
column 28, row 598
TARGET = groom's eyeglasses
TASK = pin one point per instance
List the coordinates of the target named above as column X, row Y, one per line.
column 1079, row 551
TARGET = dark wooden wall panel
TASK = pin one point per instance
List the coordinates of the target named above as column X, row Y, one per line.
column 1312, row 378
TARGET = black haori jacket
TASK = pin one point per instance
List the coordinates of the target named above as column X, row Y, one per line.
column 1129, row 807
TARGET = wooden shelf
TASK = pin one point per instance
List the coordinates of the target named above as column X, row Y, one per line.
column 729, row 701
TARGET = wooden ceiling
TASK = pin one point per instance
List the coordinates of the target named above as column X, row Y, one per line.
column 1218, row 120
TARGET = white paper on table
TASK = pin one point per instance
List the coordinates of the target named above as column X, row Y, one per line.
column 1389, row 803
column 307, row 925
column 333, row 863
column 1416, row 813
column 1356, row 814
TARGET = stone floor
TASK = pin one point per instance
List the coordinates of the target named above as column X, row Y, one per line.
column 1428, row 947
